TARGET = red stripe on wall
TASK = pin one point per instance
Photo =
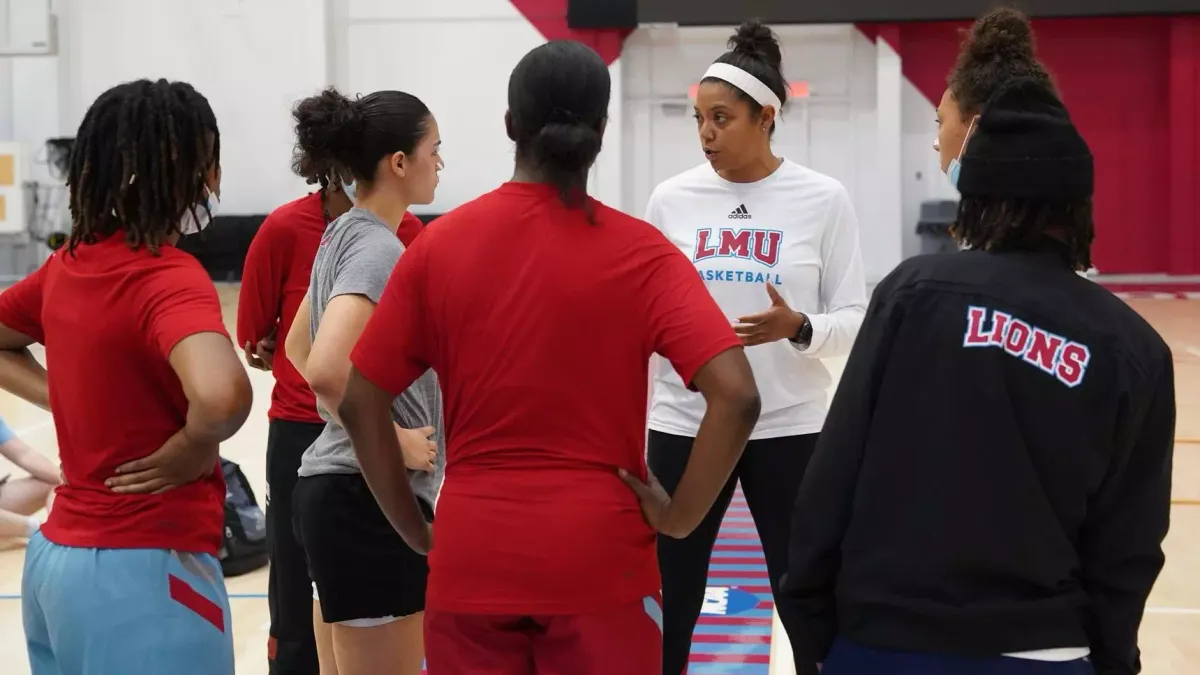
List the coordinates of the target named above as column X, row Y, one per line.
column 1131, row 85
column 550, row 18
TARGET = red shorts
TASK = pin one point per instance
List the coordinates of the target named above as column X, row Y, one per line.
column 625, row 640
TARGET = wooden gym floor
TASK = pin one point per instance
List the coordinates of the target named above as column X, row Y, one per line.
column 1169, row 633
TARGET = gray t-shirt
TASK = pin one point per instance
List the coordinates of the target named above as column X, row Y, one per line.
column 356, row 257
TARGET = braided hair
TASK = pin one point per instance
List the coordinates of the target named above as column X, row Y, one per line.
column 140, row 162
column 1000, row 49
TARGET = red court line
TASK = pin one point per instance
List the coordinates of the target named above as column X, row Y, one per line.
column 734, row 638
column 714, row 620
column 739, row 535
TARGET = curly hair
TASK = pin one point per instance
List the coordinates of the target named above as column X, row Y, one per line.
column 140, row 162
column 999, row 49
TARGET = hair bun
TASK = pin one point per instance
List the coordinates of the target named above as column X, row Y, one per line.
column 755, row 39
column 1002, row 34
column 327, row 125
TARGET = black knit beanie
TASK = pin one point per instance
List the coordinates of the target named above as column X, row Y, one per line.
column 1026, row 147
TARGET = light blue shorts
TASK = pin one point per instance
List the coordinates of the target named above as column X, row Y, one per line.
column 94, row 611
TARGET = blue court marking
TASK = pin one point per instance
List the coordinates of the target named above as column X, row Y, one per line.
column 710, row 629
column 736, row 605
column 741, row 542
column 727, row 669
column 730, row 647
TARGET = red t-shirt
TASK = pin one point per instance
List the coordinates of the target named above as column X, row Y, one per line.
column 109, row 317
column 410, row 227
column 275, row 277
column 274, row 280
column 540, row 327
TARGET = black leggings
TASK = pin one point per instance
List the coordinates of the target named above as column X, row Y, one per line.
column 770, row 472
column 293, row 648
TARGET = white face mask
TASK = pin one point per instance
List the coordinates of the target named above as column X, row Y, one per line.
column 351, row 190
column 198, row 218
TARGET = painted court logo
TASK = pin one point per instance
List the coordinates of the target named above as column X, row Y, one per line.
column 1055, row 355
column 724, row 601
column 761, row 246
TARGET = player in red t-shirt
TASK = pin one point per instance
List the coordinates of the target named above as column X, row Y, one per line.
column 539, row 309
column 144, row 384
column 275, row 278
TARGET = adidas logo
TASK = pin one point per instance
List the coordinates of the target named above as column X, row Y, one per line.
column 740, row 213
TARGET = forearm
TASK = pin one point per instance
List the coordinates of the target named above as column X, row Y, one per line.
column 331, row 404
column 22, row 376
column 834, row 332
column 1117, row 603
column 297, row 343
column 35, row 463
column 212, row 422
column 719, row 443
column 367, row 419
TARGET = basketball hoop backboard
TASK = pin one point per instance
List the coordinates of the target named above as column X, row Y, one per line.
column 27, row 28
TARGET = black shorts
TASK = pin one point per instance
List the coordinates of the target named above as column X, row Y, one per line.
column 360, row 565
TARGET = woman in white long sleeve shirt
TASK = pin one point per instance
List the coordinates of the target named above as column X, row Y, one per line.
column 777, row 245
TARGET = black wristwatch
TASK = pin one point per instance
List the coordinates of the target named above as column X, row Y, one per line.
column 803, row 337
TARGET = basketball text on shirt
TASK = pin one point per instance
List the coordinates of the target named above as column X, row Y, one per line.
column 1055, row 355
column 761, row 246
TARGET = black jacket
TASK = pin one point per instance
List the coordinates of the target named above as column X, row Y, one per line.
column 975, row 498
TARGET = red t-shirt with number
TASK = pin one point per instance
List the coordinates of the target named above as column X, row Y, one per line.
column 540, row 326
column 109, row 317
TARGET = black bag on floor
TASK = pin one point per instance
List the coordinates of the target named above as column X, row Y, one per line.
column 244, row 546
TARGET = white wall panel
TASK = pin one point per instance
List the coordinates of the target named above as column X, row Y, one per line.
column 921, row 177
column 425, row 10
column 467, row 90
column 608, row 175
column 886, row 250
column 252, row 60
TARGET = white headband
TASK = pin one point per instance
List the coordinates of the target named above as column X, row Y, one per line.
column 747, row 83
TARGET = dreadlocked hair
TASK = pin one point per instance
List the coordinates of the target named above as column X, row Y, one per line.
column 140, row 161
column 991, row 224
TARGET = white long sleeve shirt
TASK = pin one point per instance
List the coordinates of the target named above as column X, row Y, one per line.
column 795, row 229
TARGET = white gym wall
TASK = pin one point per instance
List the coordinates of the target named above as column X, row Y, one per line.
column 251, row 59
column 863, row 122
column 457, row 56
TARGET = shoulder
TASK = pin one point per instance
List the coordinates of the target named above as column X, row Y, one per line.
column 286, row 218
column 357, row 234
column 176, row 275
column 1140, row 340
column 811, row 184
column 682, row 185
column 174, row 264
